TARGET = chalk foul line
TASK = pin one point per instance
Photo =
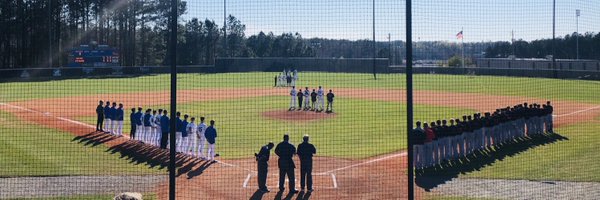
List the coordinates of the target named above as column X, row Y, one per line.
column 577, row 112
column 90, row 126
column 365, row 163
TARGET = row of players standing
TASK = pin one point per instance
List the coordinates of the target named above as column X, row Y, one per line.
column 437, row 142
column 110, row 119
column 152, row 127
column 287, row 78
column 316, row 97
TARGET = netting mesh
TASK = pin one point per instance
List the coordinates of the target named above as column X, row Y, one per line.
column 302, row 100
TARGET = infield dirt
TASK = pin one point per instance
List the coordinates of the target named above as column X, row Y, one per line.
column 380, row 177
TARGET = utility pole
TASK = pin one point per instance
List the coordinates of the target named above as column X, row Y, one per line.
column 577, row 13
column 225, row 48
column 462, row 42
column 374, row 44
column 554, row 38
column 512, row 42
column 49, row 33
column 390, row 48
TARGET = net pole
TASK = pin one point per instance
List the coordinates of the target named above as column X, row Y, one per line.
column 173, row 107
column 409, row 98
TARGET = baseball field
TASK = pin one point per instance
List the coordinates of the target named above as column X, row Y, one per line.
column 47, row 130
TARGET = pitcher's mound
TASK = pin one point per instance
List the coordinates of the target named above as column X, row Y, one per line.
column 297, row 116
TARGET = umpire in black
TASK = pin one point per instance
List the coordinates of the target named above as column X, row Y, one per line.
column 286, row 151
column 305, row 153
column 100, row 113
column 262, row 159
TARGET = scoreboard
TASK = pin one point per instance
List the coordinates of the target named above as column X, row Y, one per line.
column 100, row 56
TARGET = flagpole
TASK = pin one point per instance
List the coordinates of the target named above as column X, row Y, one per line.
column 462, row 41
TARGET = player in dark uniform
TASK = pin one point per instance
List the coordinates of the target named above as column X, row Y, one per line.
column 286, row 151
column 165, row 128
column 133, row 122
column 305, row 153
column 300, row 95
column 418, row 140
column 100, row 113
column 262, row 160
column 330, row 96
column 548, row 121
column 288, row 79
column 313, row 98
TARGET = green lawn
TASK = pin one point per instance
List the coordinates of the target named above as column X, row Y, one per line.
column 554, row 89
column 362, row 128
column 86, row 197
column 27, row 149
column 575, row 159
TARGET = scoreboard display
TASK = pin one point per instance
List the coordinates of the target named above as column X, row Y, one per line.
column 100, row 56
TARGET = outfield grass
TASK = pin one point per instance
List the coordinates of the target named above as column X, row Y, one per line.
column 575, row 159
column 362, row 128
column 27, row 149
column 552, row 89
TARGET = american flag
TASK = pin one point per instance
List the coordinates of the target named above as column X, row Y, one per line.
column 459, row 35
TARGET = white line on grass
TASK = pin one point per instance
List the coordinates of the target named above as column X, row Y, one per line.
column 93, row 127
column 366, row 162
column 577, row 112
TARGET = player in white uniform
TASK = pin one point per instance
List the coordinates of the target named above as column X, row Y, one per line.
column 158, row 129
column 154, row 126
column 306, row 99
column 320, row 99
column 294, row 78
column 280, row 80
column 201, row 128
column 191, row 140
column 293, row 100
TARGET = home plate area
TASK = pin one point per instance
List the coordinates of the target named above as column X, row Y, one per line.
column 321, row 180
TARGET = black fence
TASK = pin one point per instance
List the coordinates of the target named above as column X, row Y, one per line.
column 235, row 65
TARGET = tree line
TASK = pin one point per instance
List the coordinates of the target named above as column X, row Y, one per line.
column 566, row 48
column 34, row 30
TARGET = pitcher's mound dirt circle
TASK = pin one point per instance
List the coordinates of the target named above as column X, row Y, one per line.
column 297, row 116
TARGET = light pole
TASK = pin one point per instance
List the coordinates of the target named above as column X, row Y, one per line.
column 577, row 14
column 225, row 29
column 374, row 44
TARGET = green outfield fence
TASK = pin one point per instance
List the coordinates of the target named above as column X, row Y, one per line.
column 511, row 86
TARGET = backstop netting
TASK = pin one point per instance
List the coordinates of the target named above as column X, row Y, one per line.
column 299, row 100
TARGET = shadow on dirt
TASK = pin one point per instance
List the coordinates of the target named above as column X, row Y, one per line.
column 432, row 177
column 139, row 153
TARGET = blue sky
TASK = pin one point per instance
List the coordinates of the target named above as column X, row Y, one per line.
column 433, row 20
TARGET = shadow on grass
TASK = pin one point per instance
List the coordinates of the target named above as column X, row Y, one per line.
column 139, row 153
column 432, row 177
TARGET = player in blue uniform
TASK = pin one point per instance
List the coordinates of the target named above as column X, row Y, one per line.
column 211, row 138
column 147, row 126
column 107, row 121
column 165, row 128
column 139, row 126
column 119, row 116
column 113, row 118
